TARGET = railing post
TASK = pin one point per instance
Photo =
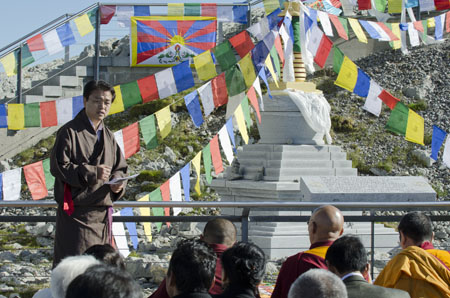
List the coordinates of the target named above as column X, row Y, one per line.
column 97, row 45
column 66, row 54
column 19, row 74
column 372, row 244
column 244, row 224
column 249, row 14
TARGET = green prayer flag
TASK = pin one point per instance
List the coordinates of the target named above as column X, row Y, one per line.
column 381, row 5
column 27, row 57
column 224, row 55
column 338, row 57
column 92, row 15
column 32, row 114
column 296, row 26
column 207, row 162
column 246, row 110
column 275, row 59
column 344, row 23
column 148, row 129
column 235, row 81
column 425, row 29
column 155, row 196
column 49, row 179
column 192, row 9
column 398, row 120
column 131, row 95
column 270, row 5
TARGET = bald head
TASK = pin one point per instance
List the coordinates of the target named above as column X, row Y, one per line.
column 326, row 224
column 220, row 231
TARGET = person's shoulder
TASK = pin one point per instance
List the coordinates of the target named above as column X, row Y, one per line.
column 370, row 290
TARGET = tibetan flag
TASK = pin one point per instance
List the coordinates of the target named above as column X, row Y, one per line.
column 3, row 117
column 164, row 119
column 145, row 211
column 36, row 43
column 185, row 177
column 436, row 141
column 49, row 179
column 131, row 226
column 251, row 94
column 169, row 40
column 246, row 110
column 204, row 66
column 206, row 152
column 196, row 164
column 166, row 83
column 147, row 87
column 364, row 5
column 192, row 9
column 118, row 136
column 77, row 105
column 148, row 129
column 63, row 110
column 247, row 69
column 341, row 30
column 224, row 55
column 209, row 9
column 131, row 94
column 242, row 43
column 193, row 107
column 415, row 128
column 117, row 105
column 131, row 139
column 183, row 77
column 84, row 25
column 388, row 99
column 235, row 81
column 215, row 155
column 155, row 196
column 106, row 13
column 373, row 103
column 398, row 120
column 206, row 95
column 226, row 144
column 49, row 116
column 165, row 194
column 9, row 64
column 52, row 42
column 240, row 13
column 446, row 155
column 175, row 191
column 348, row 75
column 358, row 30
column 35, row 177
column 11, row 184
column 219, row 90
column 230, row 130
column 362, row 84
column 442, row 5
column 141, row 10
column 175, row 9
column 16, row 117
column 239, row 115
column 32, row 114
column 338, row 58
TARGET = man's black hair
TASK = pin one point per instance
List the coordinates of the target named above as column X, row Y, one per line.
column 244, row 265
column 193, row 264
column 347, row 254
column 417, row 226
column 104, row 281
column 107, row 254
column 93, row 85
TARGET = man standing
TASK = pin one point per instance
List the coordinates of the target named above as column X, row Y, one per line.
column 325, row 225
column 84, row 157
column 347, row 258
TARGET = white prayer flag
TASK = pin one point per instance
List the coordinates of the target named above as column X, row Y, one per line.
column 120, row 237
column 380, row 31
column 166, row 83
column 426, row 5
column 118, row 135
column 257, row 87
column 226, row 144
column 52, row 42
column 175, row 191
column 288, row 69
column 413, row 35
column 314, row 40
column 124, row 13
column 325, row 22
column 206, row 95
column 255, row 31
column 373, row 104
column 305, row 36
column 224, row 13
column 64, row 110
column 265, row 29
column 12, row 184
column 446, row 155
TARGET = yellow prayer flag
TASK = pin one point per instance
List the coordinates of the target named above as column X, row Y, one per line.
column 430, row 23
column 394, row 6
column 16, row 117
column 145, row 211
column 204, row 66
column 9, row 64
column 239, row 114
column 164, row 119
column 117, row 105
column 396, row 44
column 347, row 75
column 84, row 25
column 248, row 71
column 415, row 128
column 269, row 65
column 358, row 30
column 196, row 164
column 175, row 9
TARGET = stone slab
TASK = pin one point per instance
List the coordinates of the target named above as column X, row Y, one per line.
column 366, row 189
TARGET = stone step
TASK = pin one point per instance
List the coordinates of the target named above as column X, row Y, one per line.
column 33, row 98
column 64, row 81
column 284, row 155
column 315, row 171
column 71, row 93
column 287, row 164
column 46, row 91
column 78, row 71
column 290, row 148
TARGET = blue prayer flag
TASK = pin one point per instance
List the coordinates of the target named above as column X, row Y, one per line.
column 240, row 14
column 436, row 141
column 313, row 16
column 273, row 18
column 259, row 55
column 404, row 26
column 308, row 22
column 372, row 32
column 141, row 11
column 362, row 84
column 229, row 126
column 193, row 106
column 3, row 117
column 182, row 74
column 288, row 24
column 77, row 105
column 438, row 32
column 131, row 226
column 269, row 40
column 65, row 35
column 185, row 177
column 411, row 3
column 262, row 75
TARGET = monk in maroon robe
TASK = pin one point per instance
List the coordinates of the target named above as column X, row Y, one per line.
column 325, row 225
column 84, row 157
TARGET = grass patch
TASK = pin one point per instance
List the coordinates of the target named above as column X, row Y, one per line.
column 342, row 124
column 421, row 105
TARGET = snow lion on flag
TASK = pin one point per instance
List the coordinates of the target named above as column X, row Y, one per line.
column 160, row 40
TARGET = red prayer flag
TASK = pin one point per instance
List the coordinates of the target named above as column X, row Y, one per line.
column 209, row 10
column 251, row 94
column 336, row 3
column 323, row 51
column 35, row 177
column 242, row 43
column 48, row 113
column 442, row 4
column 364, row 5
column 165, row 193
column 215, row 155
column 418, row 26
column 447, row 22
column 148, row 88
column 131, row 139
column 219, row 90
column 36, row 43
column 339, row 28
column 279, row 49
column 106, row 13
column 388, row 99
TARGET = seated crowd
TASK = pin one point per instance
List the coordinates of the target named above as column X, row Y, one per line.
column 217, row 266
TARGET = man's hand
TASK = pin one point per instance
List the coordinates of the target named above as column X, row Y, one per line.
column 116, row 188
column 103, row 172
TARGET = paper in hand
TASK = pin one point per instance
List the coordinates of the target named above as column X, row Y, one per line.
column 120, row 179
